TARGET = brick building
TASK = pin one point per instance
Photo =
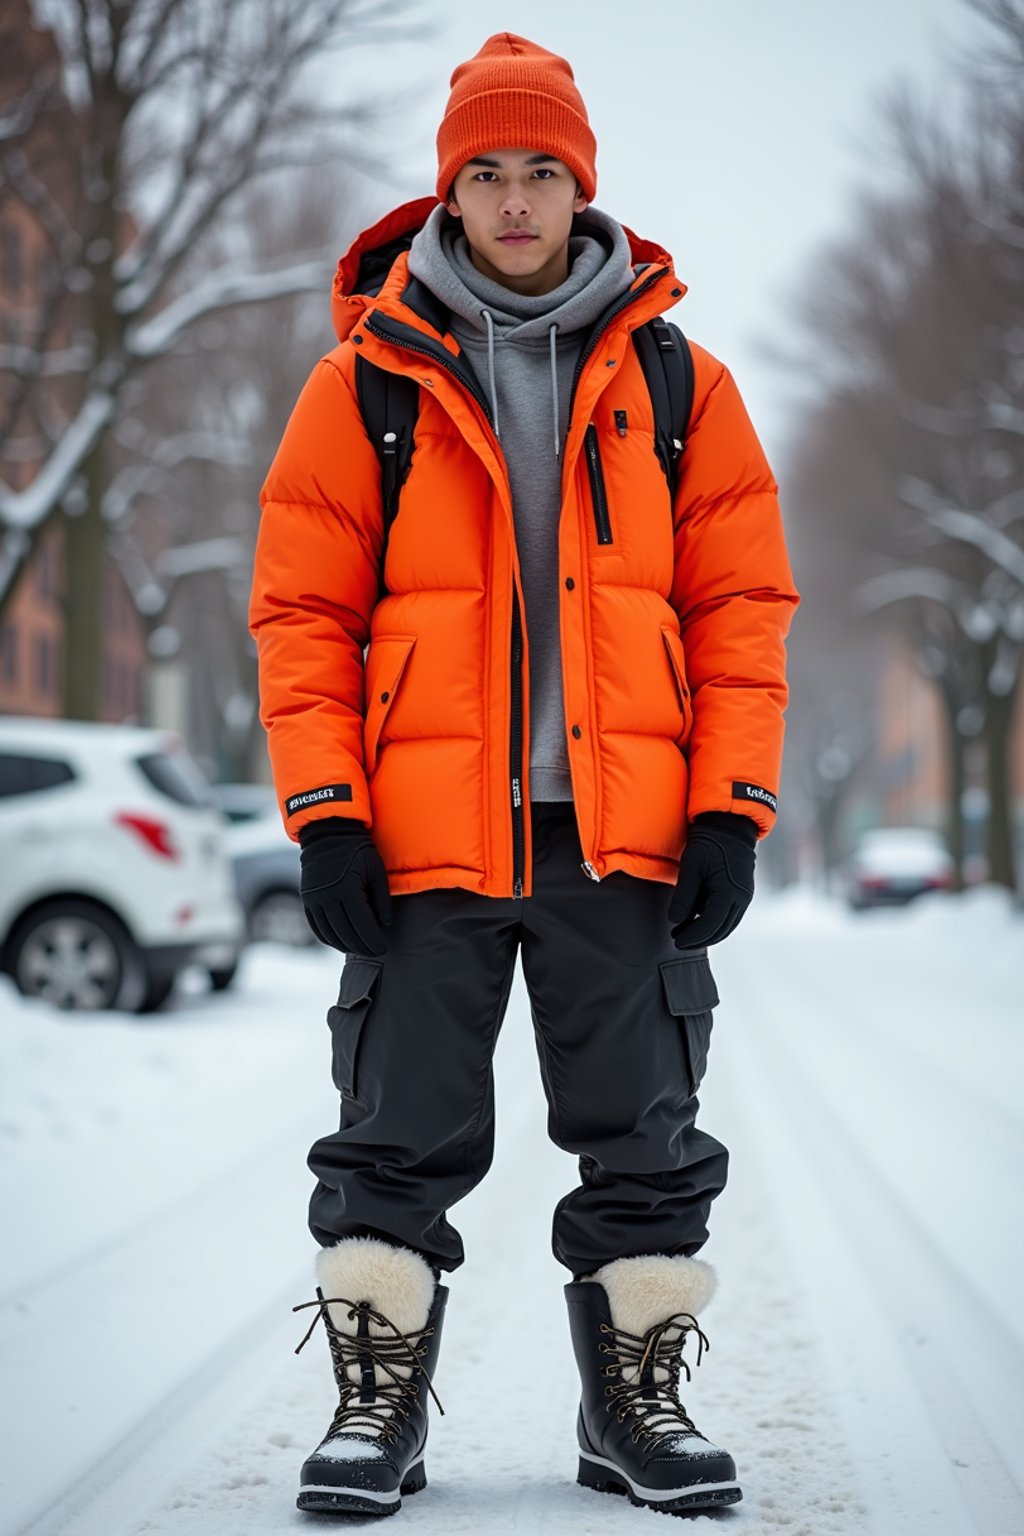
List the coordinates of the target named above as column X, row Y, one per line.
column 32, row 611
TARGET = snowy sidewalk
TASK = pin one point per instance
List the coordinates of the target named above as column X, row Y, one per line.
column 866, row 1351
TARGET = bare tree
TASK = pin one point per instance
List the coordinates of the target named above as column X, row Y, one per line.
column 171, row 109
column 182, row 518
column 912, row 334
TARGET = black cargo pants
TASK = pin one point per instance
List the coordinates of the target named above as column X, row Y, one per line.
column 622, row 1022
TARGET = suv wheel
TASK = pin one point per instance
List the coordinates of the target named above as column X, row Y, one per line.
column 222, row 977
column 278, row 917
column 76, row 956
column 159, row 986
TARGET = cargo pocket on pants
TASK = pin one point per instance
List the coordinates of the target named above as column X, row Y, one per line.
column 359, row 978
column 691, row 994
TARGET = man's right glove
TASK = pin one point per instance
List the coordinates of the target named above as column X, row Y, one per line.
column 344, row 885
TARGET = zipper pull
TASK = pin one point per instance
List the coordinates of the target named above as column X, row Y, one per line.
column 620, row 422
column 590, row 870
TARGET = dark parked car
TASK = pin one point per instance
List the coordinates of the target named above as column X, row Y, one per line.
column 889, row 866
column 265, row 863
column 115, row 874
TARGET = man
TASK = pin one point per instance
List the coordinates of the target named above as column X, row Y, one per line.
column 563, row 739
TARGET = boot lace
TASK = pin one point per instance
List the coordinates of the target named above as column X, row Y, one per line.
column 392, row 1398
column 654, row 1404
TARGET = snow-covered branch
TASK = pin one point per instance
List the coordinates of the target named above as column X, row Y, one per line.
column 898, row 586
column 37, row 197
column 978, row 529
column 27, row 362
column 222, row 554
column 28, row 508
column 19, row 116
column 969, row 528
column 152, row 588
column 152, row 338
column 163, row 457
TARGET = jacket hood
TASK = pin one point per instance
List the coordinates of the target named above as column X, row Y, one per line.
column 378, row 258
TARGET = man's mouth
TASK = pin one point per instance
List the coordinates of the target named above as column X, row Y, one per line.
column 516, row 237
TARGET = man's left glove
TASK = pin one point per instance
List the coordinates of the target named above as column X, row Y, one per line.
column 344, row 885
column 716, row 878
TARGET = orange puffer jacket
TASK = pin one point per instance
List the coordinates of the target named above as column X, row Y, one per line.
column 411, row 713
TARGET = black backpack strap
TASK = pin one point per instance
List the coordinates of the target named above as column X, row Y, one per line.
column 668, row 368
column 389, row 403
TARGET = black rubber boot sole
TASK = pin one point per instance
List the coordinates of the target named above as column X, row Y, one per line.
column 357, row 1501
column 606, row 1478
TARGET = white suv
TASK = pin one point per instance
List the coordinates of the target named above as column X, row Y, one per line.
column 113, row 874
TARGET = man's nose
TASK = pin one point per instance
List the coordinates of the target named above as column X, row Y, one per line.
column 515, row 202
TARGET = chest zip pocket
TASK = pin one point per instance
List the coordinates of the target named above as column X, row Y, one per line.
column 359, row 979
column 598, row 494
column 691, row 994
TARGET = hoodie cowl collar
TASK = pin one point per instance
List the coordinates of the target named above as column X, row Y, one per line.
column 376, row 264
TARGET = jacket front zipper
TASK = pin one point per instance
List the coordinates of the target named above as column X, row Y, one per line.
column 602, row 324
column 407, row 336
column 516, row 750
column 598, row 494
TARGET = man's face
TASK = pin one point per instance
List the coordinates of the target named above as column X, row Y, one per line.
column 517, row 207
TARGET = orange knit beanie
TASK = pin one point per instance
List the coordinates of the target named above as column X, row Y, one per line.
column 515, row 95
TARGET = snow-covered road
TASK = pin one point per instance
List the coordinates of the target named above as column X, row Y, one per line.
column 866, row 1365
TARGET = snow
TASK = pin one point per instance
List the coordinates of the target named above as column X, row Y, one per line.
column 346, row 1448
column 866, row 1345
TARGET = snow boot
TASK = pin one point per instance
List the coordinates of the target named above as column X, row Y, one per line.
column 382, row 1309
column 629, row 1322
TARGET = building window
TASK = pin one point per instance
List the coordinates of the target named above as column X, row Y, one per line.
column 49, row 570
column 9, row 655
column 44, row 664
column 11, row 241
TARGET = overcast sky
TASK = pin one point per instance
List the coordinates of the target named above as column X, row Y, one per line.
column 731, row 131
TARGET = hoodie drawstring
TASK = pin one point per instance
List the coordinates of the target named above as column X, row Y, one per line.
column 554, row 379
column 490, row 367
column 552, row 330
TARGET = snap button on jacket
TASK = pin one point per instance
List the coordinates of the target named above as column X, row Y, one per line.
column 411, row 713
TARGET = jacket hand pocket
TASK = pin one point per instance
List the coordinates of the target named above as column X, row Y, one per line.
column 691, row 994
column 359, row 979
column 676, row 656
column 385, row 663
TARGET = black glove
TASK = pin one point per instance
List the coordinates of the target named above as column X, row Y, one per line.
column 715, row 885
column 344, row 885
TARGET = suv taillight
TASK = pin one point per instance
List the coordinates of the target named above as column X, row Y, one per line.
column 155, row 834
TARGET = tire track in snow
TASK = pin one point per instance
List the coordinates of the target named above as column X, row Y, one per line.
column 985, row 1142
column 124, row 1237
column 109, row 1496
column 141, row 1323
column 902, row 1298
column 1002, row 1125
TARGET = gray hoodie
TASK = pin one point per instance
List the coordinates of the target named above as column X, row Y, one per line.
column 524, row 350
